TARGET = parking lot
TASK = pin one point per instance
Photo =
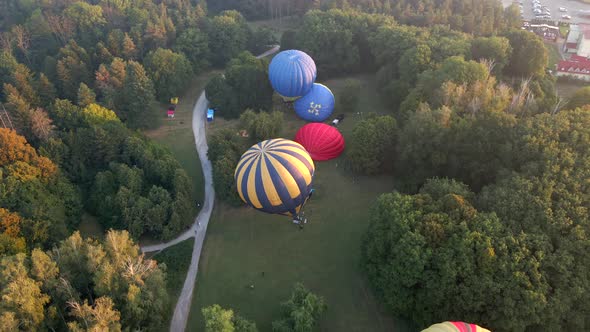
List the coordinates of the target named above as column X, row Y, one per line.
column 573, row 10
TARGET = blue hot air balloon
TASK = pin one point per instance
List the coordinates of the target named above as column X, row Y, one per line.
column 275, row 176
column 317, row 105
column 292, row 73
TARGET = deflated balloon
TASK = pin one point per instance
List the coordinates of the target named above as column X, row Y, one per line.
column 455, row 327
column 292, row 73
column 317, row 105
column 275, row 176
column 323, row 142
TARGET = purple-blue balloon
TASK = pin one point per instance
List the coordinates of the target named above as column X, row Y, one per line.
column 317, row 105
column 292, row 73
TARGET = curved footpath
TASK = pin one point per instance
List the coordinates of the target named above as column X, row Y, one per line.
column 199, row 228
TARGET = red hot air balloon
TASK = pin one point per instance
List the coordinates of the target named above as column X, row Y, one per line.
column 323, row 142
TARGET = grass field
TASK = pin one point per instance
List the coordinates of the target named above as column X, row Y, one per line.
column 177, row 134
column 277, row 26
column 242, row 243
column 567, row 89
column 177, row 260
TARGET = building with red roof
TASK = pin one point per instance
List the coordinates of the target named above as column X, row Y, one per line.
column 577, row 67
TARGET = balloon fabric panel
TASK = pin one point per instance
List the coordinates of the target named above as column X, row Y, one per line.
column 317, row 105
column 322, row 141
column 275, row 176
column 292, row 73
column 455, row 327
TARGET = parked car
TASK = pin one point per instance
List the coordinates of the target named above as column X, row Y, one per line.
column 566, row 17
column 562, row 9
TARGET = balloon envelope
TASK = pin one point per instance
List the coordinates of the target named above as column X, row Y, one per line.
column 317, row 105
column 292, row 73
column 455, row 327
column 323, row 142
column 275, row 176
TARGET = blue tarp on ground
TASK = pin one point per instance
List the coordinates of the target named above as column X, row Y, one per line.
column 210, row 114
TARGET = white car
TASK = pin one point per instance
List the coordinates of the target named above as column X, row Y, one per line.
column 562, row 9
column 566, row 17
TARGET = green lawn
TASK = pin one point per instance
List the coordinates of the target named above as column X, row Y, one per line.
column 242, row 243
column 177, row 134
column 177, row 260
column 554, row 55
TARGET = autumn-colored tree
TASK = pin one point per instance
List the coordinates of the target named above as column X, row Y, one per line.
column 41, row 124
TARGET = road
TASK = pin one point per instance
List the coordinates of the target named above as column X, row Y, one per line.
column 573, row 8
column 199, row 228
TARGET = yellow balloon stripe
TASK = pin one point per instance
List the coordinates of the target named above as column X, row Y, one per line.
column 286, row 177
column 300, row 150
column 269, row 187
column 252, row 185
column 303, row 170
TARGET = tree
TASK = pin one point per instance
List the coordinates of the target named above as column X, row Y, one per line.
column 218, row 319
column 99, row 317
column 221, row 96
column 580, row 98
column 11, row 240
column 45, row 89
column 529, row 55
column 47, row 202
column 225, row 149
column 169, row 71
column 41, row 125
column 72, row 69
column 497, row 49
column 137, row 104
column 261, row 39
column 228, row 35
column 288, row 40
column 194, row 44
column 372, row 147
column 262, row 125
column 301, row 311
column 85, row 95
column 413, row 243
column 109, row 83
column 21, row 295
column 128, row 49
column 248, row 78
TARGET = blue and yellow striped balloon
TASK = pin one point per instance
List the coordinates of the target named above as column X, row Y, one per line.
column 275, row 176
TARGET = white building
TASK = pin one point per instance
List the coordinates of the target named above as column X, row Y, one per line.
column 578, row 40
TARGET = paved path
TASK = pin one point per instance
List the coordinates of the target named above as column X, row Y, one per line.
column 199, row 228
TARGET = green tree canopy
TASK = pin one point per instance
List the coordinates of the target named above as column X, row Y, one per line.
column 169, row 71
column 419, row 248
column 371, row 149
column 301, row 311
column 228, row 36
column 529, row 55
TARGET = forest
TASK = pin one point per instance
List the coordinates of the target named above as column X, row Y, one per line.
column 492, row 165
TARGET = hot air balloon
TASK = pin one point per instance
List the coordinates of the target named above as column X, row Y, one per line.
column 323, row 142
column 317, row 105
column 275, row 176
column 455, row 327
column 292, row 73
